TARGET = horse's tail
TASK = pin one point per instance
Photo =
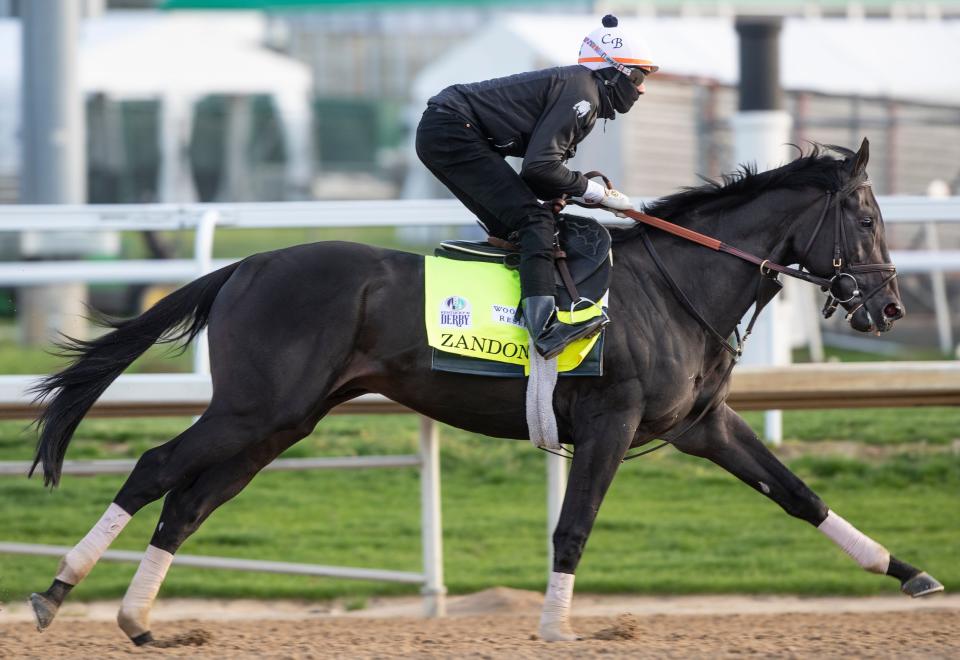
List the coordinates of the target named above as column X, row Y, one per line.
column 96, row 363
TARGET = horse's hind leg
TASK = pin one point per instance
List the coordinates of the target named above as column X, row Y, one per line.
column 728, row 441
column 184, row 510
column 75, row 565
column 215, row 437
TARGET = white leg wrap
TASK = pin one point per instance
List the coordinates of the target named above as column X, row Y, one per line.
column 134, row 615
column 868, row 553
column 555, row 620
column 78, row 562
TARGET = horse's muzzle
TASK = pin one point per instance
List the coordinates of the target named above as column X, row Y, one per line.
column 875, row 317
column 892, row 311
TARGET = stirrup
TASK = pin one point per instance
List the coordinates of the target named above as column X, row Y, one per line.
column 557, row 335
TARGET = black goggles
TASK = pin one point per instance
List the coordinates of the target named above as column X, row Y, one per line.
column 637, row 76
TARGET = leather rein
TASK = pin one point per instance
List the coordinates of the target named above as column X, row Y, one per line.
column 767, row 288
column 767, row 267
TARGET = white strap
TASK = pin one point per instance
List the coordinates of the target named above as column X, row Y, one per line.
column 555, row 619
column 77, row 563
column 134, row 616
column 868, row 553
column 541, row 421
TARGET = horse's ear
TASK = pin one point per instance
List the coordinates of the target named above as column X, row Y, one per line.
column 860, row 159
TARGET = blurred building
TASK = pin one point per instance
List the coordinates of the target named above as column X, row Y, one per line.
column 841, row 78
column 319, row 104
column 179, row 107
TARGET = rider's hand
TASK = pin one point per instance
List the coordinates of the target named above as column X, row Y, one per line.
column 608, row 197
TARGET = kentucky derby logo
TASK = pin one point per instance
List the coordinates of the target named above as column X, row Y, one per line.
column 455, row 312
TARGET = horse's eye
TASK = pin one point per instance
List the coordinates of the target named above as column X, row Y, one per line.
column 866, row 221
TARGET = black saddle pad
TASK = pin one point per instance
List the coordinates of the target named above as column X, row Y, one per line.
column 586, row 242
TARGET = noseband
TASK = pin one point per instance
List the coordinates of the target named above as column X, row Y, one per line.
column 842, row 271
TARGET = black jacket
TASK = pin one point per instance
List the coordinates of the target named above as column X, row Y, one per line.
column 540, row 116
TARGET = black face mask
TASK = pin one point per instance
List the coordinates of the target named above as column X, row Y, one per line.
column 621, row 92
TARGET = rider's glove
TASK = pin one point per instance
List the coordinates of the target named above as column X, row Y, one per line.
column 608, row 197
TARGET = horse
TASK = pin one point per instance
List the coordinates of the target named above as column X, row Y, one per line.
column 295, row 332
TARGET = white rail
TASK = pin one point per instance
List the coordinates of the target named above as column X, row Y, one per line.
column 227, row 563
column 397, row 213
column 381, row 213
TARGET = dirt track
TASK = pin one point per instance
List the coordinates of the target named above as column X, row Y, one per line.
column 930, row 631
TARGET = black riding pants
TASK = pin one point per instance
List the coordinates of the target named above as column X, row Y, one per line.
column 462, row 159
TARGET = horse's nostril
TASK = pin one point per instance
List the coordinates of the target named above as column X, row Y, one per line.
column 893, row 311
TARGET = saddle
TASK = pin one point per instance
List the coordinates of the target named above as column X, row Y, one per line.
column 583, row 251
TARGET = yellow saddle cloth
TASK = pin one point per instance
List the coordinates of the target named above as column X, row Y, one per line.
column 469, row 309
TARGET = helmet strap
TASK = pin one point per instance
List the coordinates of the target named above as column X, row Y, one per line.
column 625, row 70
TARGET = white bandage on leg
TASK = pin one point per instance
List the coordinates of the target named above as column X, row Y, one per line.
column 555, row 620
column 134, row 615
column 81, row 559
column 868, row 553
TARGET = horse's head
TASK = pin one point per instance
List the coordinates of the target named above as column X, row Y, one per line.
column 847, row 246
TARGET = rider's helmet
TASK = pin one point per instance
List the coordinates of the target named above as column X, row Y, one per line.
column 610, row 46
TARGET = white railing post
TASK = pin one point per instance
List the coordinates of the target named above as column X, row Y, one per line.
column 556, row 487
column 434, row 591
column 203, row 255
column 941, row 304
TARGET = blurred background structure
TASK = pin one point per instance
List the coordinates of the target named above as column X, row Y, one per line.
column 256, row 100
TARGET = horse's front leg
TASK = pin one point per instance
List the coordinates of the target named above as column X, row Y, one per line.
column 599, row 449
column 724, row 438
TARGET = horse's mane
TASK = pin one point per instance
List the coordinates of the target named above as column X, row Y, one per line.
column 819, row 168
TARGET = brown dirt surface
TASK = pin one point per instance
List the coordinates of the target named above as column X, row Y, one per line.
column 501, row 623
column 921, row 634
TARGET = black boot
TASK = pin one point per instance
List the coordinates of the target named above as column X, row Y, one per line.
column 557, row 336
column 552, row 336
column 537, row 312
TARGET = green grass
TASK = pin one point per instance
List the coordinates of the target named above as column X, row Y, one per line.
column 670, row 524
column 243, row 242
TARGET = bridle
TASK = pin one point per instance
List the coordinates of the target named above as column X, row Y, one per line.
column 841, row 271
column 768, row 286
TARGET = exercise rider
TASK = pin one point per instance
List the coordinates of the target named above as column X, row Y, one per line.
column 540, row 116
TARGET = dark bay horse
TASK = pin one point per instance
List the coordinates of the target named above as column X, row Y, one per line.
column 295, row 332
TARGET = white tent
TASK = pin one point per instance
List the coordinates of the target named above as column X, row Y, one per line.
column 177, row 58
column 907, row 59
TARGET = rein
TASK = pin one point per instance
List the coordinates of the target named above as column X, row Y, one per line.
column 768, row 286
column 831, row 286
column 719, row 246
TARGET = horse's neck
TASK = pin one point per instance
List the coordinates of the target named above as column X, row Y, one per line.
column 721, row 286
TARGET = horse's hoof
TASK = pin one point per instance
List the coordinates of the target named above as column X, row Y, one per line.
column 558, row 634
column 44, row 610
column 144, row 639
column 921, row 584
